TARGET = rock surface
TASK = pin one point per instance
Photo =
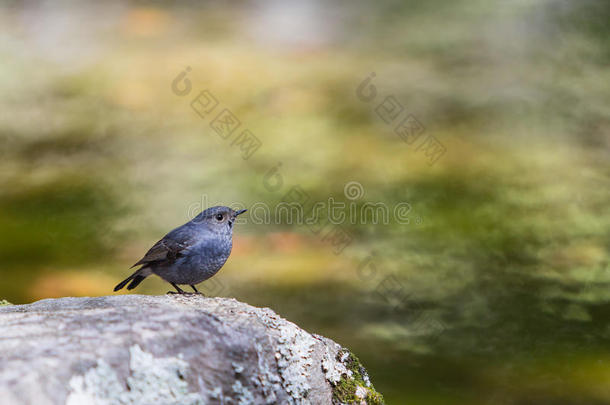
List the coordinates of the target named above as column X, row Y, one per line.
column 133, row 349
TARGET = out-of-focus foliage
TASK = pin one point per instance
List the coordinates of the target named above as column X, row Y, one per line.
column 501, row 277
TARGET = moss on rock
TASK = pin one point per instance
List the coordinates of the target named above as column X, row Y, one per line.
column 355, row 386
column 4, row 302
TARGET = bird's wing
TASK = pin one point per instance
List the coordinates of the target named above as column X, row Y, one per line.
column 167, row 249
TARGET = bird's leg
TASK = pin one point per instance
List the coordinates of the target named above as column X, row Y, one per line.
column 194, row 289
column 178, row 290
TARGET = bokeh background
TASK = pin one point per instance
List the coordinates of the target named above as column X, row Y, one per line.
column 497, row 290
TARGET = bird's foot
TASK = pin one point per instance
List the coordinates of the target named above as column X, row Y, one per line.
column 180, row 291
column 185, row 293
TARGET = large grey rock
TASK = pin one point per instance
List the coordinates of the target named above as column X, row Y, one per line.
column 133, row 349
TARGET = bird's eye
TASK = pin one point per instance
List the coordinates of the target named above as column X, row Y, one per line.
column 219, row 217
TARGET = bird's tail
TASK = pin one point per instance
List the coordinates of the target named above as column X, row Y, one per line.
column 136, row 278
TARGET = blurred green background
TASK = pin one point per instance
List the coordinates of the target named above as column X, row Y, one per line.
column 501, row 278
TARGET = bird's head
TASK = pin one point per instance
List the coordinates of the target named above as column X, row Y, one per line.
column 219, row 218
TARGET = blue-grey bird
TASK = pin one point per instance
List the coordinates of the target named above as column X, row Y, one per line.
column 191, row 253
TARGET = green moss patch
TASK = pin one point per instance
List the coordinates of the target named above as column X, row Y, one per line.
column 357, row 387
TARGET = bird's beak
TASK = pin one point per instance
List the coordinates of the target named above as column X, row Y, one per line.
column 240, row 212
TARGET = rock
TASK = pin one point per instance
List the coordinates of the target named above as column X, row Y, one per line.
column 134, row 349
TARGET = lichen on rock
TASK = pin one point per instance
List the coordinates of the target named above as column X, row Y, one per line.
column 293, row 352
column 350, row 381
column 242, row 395
column 152, row 381
column 4, row 302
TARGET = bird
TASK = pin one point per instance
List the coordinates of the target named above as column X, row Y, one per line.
column 189, row 254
